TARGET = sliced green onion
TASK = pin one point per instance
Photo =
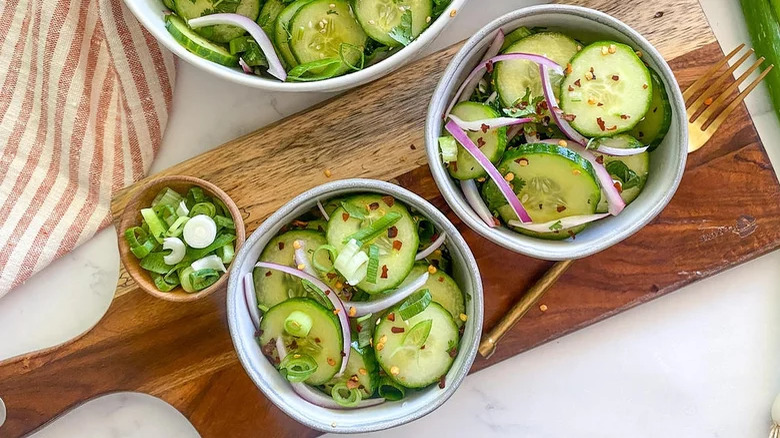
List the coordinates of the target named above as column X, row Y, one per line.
column 344, row 396
column 200, row 231
column 185, row 279
column 161, row 283
column 178, row 250
column 221, row 207
column 226, row 253
column 209, row 262
column 418, row 334
column 155, row 262
column 373, row 264
column 167, row 196
column 195, row 254
column 298, row 324
column 389, row 390
column 378, row 227
column 425, row 230
column 166, row 212
column 182, row 209
column 141, row 244
column 331, row 256
column 354, row 210
column 313, row 292
column 203, row 278
column 206, row 208
column 224, row 222
column 156, row 227
column 298, row 366
column 195, row 195
column 177, row 227
column 366, row 323
column 352, row 263
column 416, row 303
column 449, row 148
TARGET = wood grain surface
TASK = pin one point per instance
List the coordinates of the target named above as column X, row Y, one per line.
column 725, row 212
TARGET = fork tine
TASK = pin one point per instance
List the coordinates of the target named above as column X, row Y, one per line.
column 712, row 125
column 706, row 76
column 714, row 87
column 713, row 107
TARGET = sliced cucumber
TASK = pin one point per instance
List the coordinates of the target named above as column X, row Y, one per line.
column 319, row 31
column 197, row 44
column 513, row 78
column 273, row 287
column 492, row 143
column 379, row 17
column 323, row 342
column 608, row 89
column 169, row 4
column 394, row 264
column 267, row 17
column 282, row 32
column 443, row 290
column 361, row 367
column 630, row 170
column 515, row 36
column 652, row 129
column 551, row 181
column 221, row 33
column 411, row 364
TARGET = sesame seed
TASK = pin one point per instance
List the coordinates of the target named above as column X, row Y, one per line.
column 591, row 101
column 576, row 172
column 336, row 311
column 297, row 356
column 453, row 12
column 463, row 317
column 327, row 173
column 543, row 307
column 509, row 176
column 523, row 162
column 431, row 269
column 579, row 47
column 428, row 19
column 612, row 48
column 604, row 50
column 331, row 362
column 401, row 8
column 363, row 371
column 332, row 5
column 562, row 143
column 394, row 370
column 339, row 285
column 380, row 346
column 371, row 22
column 589, row 76
column 301, row 267
column 379, row 320
column 639, row 53
column 297, row 244
column 383, row 339
column 352, row 311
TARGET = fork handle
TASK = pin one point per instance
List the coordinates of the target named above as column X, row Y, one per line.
column 488, row 345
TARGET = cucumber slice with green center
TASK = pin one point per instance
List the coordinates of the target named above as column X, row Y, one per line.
column 411, row 358
column 361, row 368
column 267, row 17
column 197, row 44
column 282, row 33
column 608, row 89
column 652, row 129
column 443, row 290
column 551, row 181
column 319, row 31
column 379, row 17
column 220, row 33
column 513, row 78
column 630, row 170
column 394, row 263
column 323, row 342
column 492, row 143
column 272, row 287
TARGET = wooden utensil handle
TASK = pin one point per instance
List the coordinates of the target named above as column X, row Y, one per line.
column 521, row 307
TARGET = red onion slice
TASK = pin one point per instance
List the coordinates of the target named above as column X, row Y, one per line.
column 244, row 66
column 250, row 299
column 565, row 223
column 431, row 248
column 365, row 307
column 341, row 312
column 275, row 67
column 549, row 96
column 495, row 175
column 316, row 397
column 539, row 59
column 512, row 131
column 531, row 138
column 620, row 152
column 322, row 210
column 492, row 51
column 485, row 124
column 471, row 193
column 302, row 260
column 614, row 200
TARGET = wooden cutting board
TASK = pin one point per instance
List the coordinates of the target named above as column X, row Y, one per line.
column 726, row 211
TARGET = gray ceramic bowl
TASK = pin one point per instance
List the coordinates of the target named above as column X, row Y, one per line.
column 276, row 388
column 666, row 163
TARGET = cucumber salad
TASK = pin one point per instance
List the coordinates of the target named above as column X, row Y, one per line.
column 356, row 302
column 549, row 134
column 183, row 240
column 299, row 40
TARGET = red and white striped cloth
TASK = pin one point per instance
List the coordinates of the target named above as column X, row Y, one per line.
column 84, row 101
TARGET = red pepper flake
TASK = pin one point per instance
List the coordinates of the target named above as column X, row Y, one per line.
column 345, row 216
column 384, row 271
column 397, row 329
column 615, row 77
column 571, row 88
column 442, row 382
column 373, row 205
column 358, row 328
column 601, row 123
column 454, row 166
column 658, row 14
column 343, row 354
column 391, row 317
column 317, row 340
column 422, row 348
column 618, row 186
column 441, row 279
column 578, row 83
column 397, row 245
column 625, row 116
column 599, row 104
column 392, row 232
column 268, row 274
column 389, row 200
column 413, row 147
column 453, row 352
column 613, row 128
column 480, row 142
column 484, row 127
column 489, row 66
column 600, row 159
column 568, row 68
column 561, row 208
column 571, row 233
column 568, row 117
column 281, row 246
column 332, row 275
column 644, row 86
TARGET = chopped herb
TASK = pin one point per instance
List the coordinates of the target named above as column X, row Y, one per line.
column 403, row 32
column 628, row 178
column 557, row 226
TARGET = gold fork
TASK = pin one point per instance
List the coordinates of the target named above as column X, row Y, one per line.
column 705, row 115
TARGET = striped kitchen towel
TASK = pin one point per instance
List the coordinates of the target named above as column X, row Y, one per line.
column 84, row 100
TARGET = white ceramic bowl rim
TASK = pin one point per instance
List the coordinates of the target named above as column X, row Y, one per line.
column 334, row 84
column 362, row 420
column 613, row 229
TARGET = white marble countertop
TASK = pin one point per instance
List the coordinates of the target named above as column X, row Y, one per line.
column 701, row 362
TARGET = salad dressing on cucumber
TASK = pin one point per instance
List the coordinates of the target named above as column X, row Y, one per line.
column 550, row 134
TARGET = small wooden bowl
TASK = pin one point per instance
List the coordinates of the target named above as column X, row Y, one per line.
column 131, row 216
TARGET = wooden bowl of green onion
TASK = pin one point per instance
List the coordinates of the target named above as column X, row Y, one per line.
column 177, row 237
